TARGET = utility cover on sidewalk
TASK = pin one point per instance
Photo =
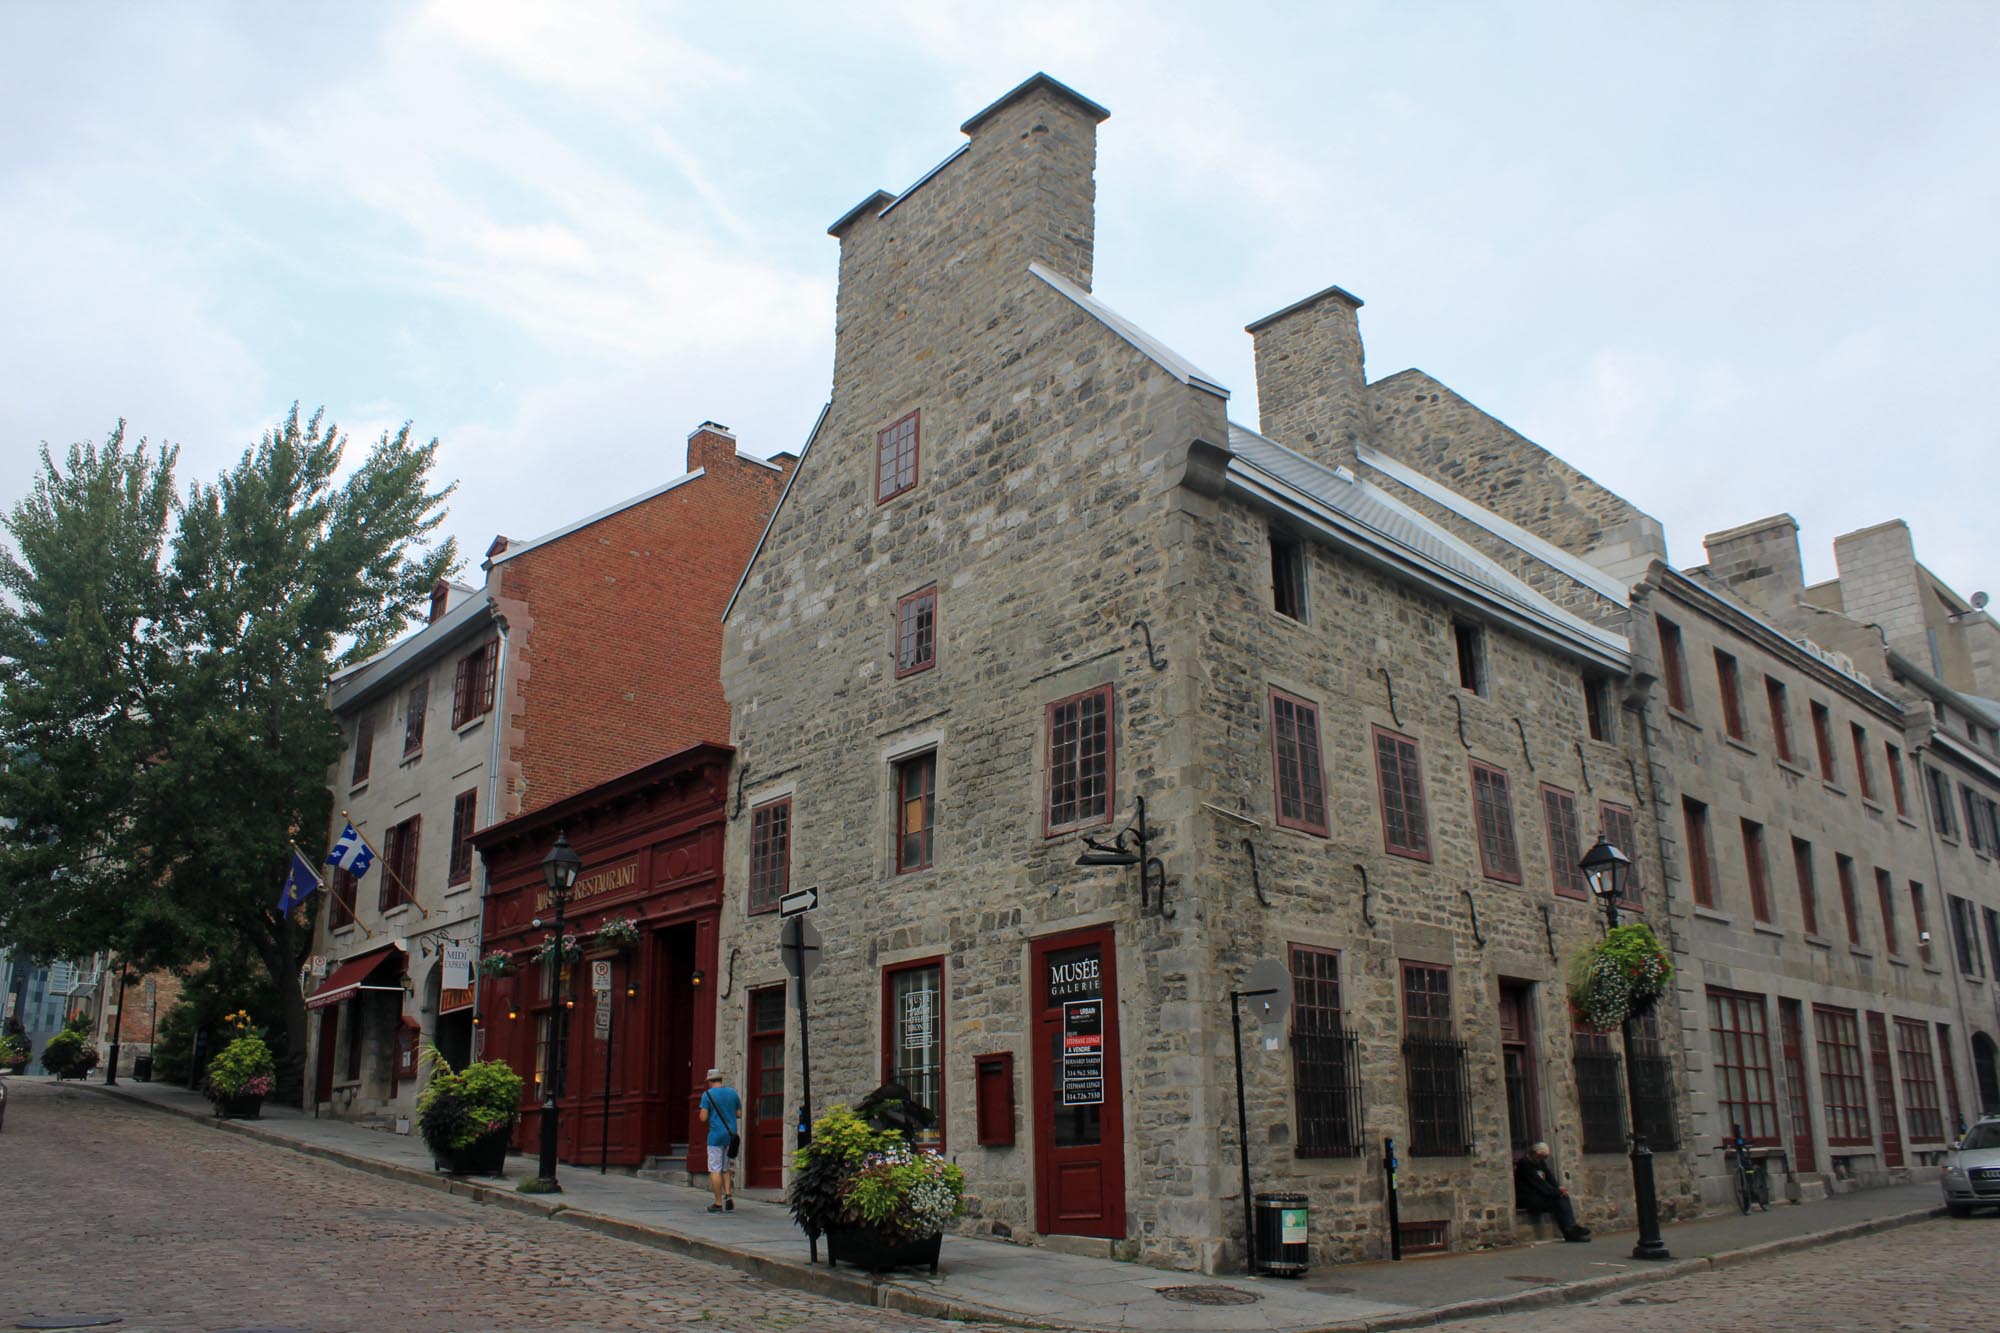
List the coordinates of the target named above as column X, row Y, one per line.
column 1209, row 1295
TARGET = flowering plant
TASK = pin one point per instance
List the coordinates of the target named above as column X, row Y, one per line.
column 568, row 951
column 619, row 932
column 855, row 1173
column 459, row 1108
column 1621, row 976
column 243, row 1068
column 499, row 963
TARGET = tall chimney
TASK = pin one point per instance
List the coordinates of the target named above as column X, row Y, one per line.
column 1311, row 384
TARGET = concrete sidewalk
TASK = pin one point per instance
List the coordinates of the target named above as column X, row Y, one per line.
column 993, row 1280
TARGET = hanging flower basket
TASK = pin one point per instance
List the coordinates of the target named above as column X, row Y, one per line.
column 499, row 963
column 1621, row 976
column 568, row 950
column 620, row 935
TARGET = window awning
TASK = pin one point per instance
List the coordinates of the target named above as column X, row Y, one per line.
column 361, row 972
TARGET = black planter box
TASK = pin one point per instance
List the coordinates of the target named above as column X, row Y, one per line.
column 244, row 1106
column 866, row 1248
column 485, row 1156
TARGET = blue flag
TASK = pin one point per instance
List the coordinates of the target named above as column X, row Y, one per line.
column 351, row 853
column 300, row 884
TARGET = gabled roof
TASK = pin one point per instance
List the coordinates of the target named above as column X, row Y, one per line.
column 1371, row 521
column 1169, row 360
column 515, row 551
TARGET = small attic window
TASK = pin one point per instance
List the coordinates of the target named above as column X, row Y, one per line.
column 1471, row 642
column 1288, row 577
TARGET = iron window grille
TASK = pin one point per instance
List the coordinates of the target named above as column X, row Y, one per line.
column 1434, row 1066
column 1326, row 1062
column 1654, row 1074
column 1600, row 1091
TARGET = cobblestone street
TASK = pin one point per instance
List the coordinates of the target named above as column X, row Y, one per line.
column 116, row 1210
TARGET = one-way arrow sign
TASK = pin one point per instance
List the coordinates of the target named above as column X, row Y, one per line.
column 794, row 903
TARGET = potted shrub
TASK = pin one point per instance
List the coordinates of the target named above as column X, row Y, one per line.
column 880, row 1202
column 568, row 950
column 1622, row 976
column 15, row 1052
column 242, row 1073
column 620, row 934
column 499, row 963
column 467, row 1116
column 70, row 1053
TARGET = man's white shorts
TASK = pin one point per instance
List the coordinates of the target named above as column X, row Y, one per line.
column 718, row 1157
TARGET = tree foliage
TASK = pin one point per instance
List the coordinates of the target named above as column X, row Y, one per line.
column 163, row 669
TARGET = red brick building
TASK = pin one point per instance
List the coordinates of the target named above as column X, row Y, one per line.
column 614, row 625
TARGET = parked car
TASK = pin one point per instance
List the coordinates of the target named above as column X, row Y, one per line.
column 1971, row 1170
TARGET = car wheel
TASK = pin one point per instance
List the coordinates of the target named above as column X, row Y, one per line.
column 1959, row 1209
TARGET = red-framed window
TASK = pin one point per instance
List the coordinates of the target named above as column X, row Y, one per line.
column 341, row 891
column 1781, row 718
column 1673, row 664
column 399, row 863
column 1850, row 900
column 1082, row 756
column 916, row 632
column 415, row 705
column 472, row 685
column 1731, row 688
column 770, row 854
column 1493, row 812
column 1864, row 773
column 1400, row 779
column 464, row 812
column 1623, row 831
column 364, row 748
column 1746, row 1091
column 1843, row 1087
column 1920, row 1089
column 1326, row 1066
column 896, row 458
column 1700, row 852
column 1920, row 917
column 1822, row 724
column 916, row 811
column 1756, row 870
column 1895, row 757
column 913, row 1038
column 1565, row 842
column 1802, row 868
column 1440, row 1118
column 1885, row 896
column 1295, row 759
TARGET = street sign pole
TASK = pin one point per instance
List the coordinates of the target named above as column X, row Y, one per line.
column 795, row 941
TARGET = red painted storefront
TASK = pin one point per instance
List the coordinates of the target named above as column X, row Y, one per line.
column 651, row 843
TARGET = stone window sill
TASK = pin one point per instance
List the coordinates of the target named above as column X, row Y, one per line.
column 1793, row 767
column 1685, row 719
column 1906, row 821
column 1859, row 952
column 1710, row 914
column 1896, row 960
column 1819, row 942
column 1833, row 787
column 1735, row 744
column 1762, row 928
column 1874, row 805
column 470, row 727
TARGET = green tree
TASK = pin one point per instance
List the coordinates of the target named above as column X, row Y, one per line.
column 276, row 574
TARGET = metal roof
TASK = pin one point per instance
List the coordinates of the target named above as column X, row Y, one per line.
column 1168, row 359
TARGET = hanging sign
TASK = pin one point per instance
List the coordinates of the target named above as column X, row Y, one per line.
column 601, row 1020
column 1083, row 1053
column 457, row 966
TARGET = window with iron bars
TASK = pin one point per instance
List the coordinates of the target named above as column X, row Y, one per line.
column 1440, row 1113
column 1326, row 1065
column 1654, row 1075
column 1600, row 1089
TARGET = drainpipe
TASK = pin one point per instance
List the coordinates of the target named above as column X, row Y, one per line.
column 492, row 796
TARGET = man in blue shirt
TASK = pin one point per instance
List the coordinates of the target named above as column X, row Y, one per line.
column 721, row 1111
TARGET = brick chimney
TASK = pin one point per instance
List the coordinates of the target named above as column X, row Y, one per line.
column 1311, row 383
column 710, row 445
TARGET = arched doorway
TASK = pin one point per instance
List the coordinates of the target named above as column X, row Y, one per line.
column 1986, row 1070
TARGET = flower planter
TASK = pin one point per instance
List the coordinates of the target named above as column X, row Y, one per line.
column 243, row 1106
column 18, row 1067
column 484, row 1156
column 864, row 1247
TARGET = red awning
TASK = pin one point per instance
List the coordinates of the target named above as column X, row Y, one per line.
column 358, row 973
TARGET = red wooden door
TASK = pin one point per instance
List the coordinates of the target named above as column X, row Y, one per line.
column 1079, row 1101
column 1791, row 1036
column 329, row 1033
column 1885, row 1091
column 764, row 1092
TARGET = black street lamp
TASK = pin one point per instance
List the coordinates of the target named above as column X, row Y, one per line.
column 1608, row 871
column 559, row 869
column 117, row 1024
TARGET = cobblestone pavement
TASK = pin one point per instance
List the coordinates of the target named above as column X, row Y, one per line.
column 117, row 1210
column 1932, row 1276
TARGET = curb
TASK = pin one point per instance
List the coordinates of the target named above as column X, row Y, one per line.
column 904, row 1299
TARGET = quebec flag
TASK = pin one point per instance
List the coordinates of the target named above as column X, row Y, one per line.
column 351, row 853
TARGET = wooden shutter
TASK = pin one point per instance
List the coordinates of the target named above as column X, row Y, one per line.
column 460, row 693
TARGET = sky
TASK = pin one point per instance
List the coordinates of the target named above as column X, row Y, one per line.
column 1728, row 259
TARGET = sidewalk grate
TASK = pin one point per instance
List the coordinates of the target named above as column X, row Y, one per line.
column 1209, row 1295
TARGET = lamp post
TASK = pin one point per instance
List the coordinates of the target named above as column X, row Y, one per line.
column 559, row 869
column 1608, row 871
column 117, row 1024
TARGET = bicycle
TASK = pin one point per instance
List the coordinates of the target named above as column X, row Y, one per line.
column 1753, row 1178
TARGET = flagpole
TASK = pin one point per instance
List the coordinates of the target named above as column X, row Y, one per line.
column 408, row 896
column 353, row 910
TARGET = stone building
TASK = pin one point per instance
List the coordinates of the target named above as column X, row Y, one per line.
column 586, row 653
column 1030, row 584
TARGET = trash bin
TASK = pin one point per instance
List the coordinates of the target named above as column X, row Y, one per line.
column 142, row 1068
column 1281, row 1235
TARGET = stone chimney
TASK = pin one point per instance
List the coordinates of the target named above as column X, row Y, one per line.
column 710, row 445
column 1760, row 563
column 1879, row 585
column 1311, row 384
column 440, row 600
